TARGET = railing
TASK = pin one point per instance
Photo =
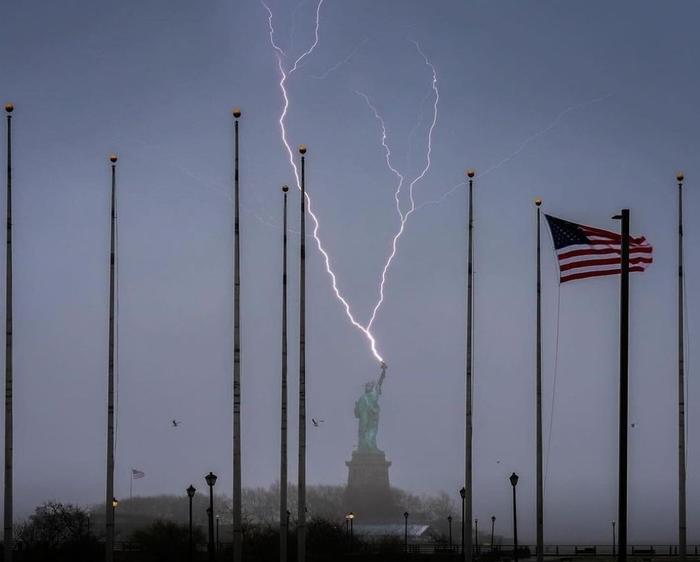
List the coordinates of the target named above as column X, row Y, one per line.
column 564, row 551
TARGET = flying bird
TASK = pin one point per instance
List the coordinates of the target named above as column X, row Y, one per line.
column 175, row 423
column 316, row 422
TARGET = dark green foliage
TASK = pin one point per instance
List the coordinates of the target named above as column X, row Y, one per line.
column 164, row 541
column 57, row 532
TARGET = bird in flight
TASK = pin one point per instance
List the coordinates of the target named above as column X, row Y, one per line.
column 175, row 423
column 316, row 422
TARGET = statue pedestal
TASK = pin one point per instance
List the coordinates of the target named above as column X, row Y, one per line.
column 368, row 493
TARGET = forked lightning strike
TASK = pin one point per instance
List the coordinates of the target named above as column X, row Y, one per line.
column 412, row 206
column 283, row 88
column 403, row 216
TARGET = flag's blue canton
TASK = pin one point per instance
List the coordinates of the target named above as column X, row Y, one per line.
column 565, row 233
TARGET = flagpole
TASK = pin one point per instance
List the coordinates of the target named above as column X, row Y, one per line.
column 283, row 400
column 624, row 374
column 237, row 531
column 466, row 520
column 301, row 516
column 109, row 492
column 8, row 537
column 681, row 382
column 540, row 487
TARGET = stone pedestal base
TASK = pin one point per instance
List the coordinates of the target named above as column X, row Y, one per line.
column 368, row 493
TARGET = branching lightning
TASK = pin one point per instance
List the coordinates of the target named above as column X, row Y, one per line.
column 285, row 74
column 522, row 146
column 412, row 206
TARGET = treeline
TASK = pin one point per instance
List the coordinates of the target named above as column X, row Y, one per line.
column 154, row 528
column 261, row 507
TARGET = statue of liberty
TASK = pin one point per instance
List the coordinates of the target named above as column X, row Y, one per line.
column 367, row 412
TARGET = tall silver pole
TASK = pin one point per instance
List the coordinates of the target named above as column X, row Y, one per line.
column 109, row 492
column 8, row 534
column 540, row 487
column 283, row 400
column 681, row 383
column 237, row 532
column 301, row 517
column 466, row 520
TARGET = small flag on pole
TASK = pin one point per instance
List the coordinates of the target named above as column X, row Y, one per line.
column 585, row 251
column 136, row 474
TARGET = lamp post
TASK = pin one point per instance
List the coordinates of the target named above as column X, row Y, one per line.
column 190, row 494
column 613, row 526
column 449, row 527
column 462, row 494
column 514, row 483
column 493, row 524
column 211, row 480
column 476, row 536
column 115, row 504
column 351, row 516
column 405, row 531
column 218, row 547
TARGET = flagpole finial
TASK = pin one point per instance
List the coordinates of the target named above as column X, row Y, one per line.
column 236, row 112
column 285, row 188
column 113, row 158
column 538, row 201
column 9, row 107
column 302, row 149
column 679, row 176
column 471, row 172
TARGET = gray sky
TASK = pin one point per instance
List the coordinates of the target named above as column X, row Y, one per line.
column 590, row 105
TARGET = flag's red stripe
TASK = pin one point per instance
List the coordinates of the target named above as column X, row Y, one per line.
column 612, row 249
column 614, row 236
column 586, row 274
column 599, row 261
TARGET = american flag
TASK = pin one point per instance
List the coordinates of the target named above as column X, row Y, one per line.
column 585, row 251
column 136, row 474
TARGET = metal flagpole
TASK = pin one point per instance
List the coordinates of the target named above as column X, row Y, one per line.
column 301, row 517
column 283, row 400
column 8, row 537
column 681, row 383
column 624, row 373
column 237, row 532
column 109, row 493
column 466, row 520
column 540, row 487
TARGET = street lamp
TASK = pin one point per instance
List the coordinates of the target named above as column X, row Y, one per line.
column 463, row 494
column 514, row 483
column 115, row 503
column 476, row 536
column 88, row 525
column 493, row 523
column 349, row 518
column 405, row 531
column 211, row 480
column 613, row 526
column 218, row 547
column 449, row 526
column 190, row 494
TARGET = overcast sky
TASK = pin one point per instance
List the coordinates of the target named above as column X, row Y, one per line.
column 590, row 105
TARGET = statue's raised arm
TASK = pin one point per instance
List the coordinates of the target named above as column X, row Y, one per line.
column 381, row 377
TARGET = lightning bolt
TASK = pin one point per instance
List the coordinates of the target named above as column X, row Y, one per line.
column 412, row 207
column 285, row 74
column 522, row 146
